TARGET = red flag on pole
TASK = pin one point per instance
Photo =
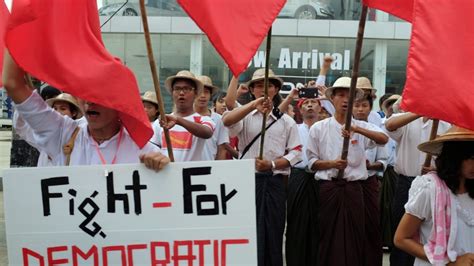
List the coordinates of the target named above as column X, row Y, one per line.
column 59, row 42
column 400, row 8
column 439, row 70
column 4, row 14
column 235, row 28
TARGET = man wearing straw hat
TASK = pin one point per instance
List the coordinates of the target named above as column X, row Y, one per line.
column 150, row 104
column 102, row 140
column 341, row 201
column 189, row 130
column 365, row 85
column 64, row 104
column 282, row 150
column 408, row 130
column 216, row 146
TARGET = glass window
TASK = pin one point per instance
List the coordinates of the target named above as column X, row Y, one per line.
column 172, row 54
column 397, row 53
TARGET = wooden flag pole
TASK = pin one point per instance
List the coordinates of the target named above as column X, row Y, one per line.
column 433, row 133
column 352, row 91
column 154, row 74
column 267, row 68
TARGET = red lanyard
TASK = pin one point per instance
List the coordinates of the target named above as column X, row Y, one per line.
column 102, row 159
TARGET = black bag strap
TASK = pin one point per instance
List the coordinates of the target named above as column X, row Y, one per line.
column 278, row 115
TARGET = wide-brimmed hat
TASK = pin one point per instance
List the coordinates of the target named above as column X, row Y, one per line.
column 455, row 133
column 259, row 75
column 183, row 74
column 390, row 100
column 66, row 97
column 207, row 81
column 343, row 83
column 150, row 96
column 364, row 83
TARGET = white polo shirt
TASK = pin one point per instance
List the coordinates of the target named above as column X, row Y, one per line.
column 325, row 143
column 409, row 159
column 281, row 139
column 51, row 131
column 220, row 136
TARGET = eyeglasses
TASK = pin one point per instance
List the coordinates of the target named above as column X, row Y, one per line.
column 186, row 89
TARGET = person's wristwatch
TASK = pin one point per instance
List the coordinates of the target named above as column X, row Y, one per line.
column 273, row 165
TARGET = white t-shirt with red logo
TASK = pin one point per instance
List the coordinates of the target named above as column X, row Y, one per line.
column 186, row 146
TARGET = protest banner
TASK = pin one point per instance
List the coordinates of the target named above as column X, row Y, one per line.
column 194, row 213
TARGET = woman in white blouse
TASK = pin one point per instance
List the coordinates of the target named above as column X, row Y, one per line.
column 443, row 200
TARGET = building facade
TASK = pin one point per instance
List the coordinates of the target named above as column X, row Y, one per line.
column 304, row 32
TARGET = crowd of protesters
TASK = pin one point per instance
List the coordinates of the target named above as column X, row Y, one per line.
column 335, row 211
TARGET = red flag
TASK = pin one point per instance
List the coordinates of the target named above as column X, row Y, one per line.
column 4, row 14
column 59, row 42
column 400, row 8
column 439, row 70
column 235, row 28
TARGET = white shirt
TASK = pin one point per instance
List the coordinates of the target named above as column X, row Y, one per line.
column 51, row 131
column 377, row 154
column 325, row 143
column 281, row 139
column 420, row 204
column 409, row 159
column 391, row 146
column 186, row 146
column 375, row 119
column 220, row 136
column 303, row 130
column 26, row 133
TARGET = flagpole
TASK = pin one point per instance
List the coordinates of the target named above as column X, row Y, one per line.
column 352, row 91
column 156, row 81
column 434, row 132
column 265, row 95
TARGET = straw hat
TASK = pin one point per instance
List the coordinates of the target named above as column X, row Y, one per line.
column 66, row 97
column 259, row 75
column 345, row 83
column 456, row 133
column 150, row 96
column 390, row 100
column 207, row 81
column 183, row 74
column 365, row 84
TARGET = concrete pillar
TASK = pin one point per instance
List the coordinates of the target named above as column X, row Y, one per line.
column 196, row 55
column 380, row 70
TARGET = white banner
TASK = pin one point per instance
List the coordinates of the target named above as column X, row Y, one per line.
column 194, row 213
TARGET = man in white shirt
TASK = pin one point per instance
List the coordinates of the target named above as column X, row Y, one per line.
column 216, row 147
column 102, row 140
column 408, row 130
column 341, row 201
column 282, row 149
column 188, row 130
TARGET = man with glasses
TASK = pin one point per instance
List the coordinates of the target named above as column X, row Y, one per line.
column 188, row 130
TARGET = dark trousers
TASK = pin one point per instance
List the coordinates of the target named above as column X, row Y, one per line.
column 373, row 230
column 302, row 222
column 397, row 256
column 271, row 211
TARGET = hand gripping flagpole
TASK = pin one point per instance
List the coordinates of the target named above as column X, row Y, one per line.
column 156, row 81
column 433, row 133
column 352, row 92
column 265, row 95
